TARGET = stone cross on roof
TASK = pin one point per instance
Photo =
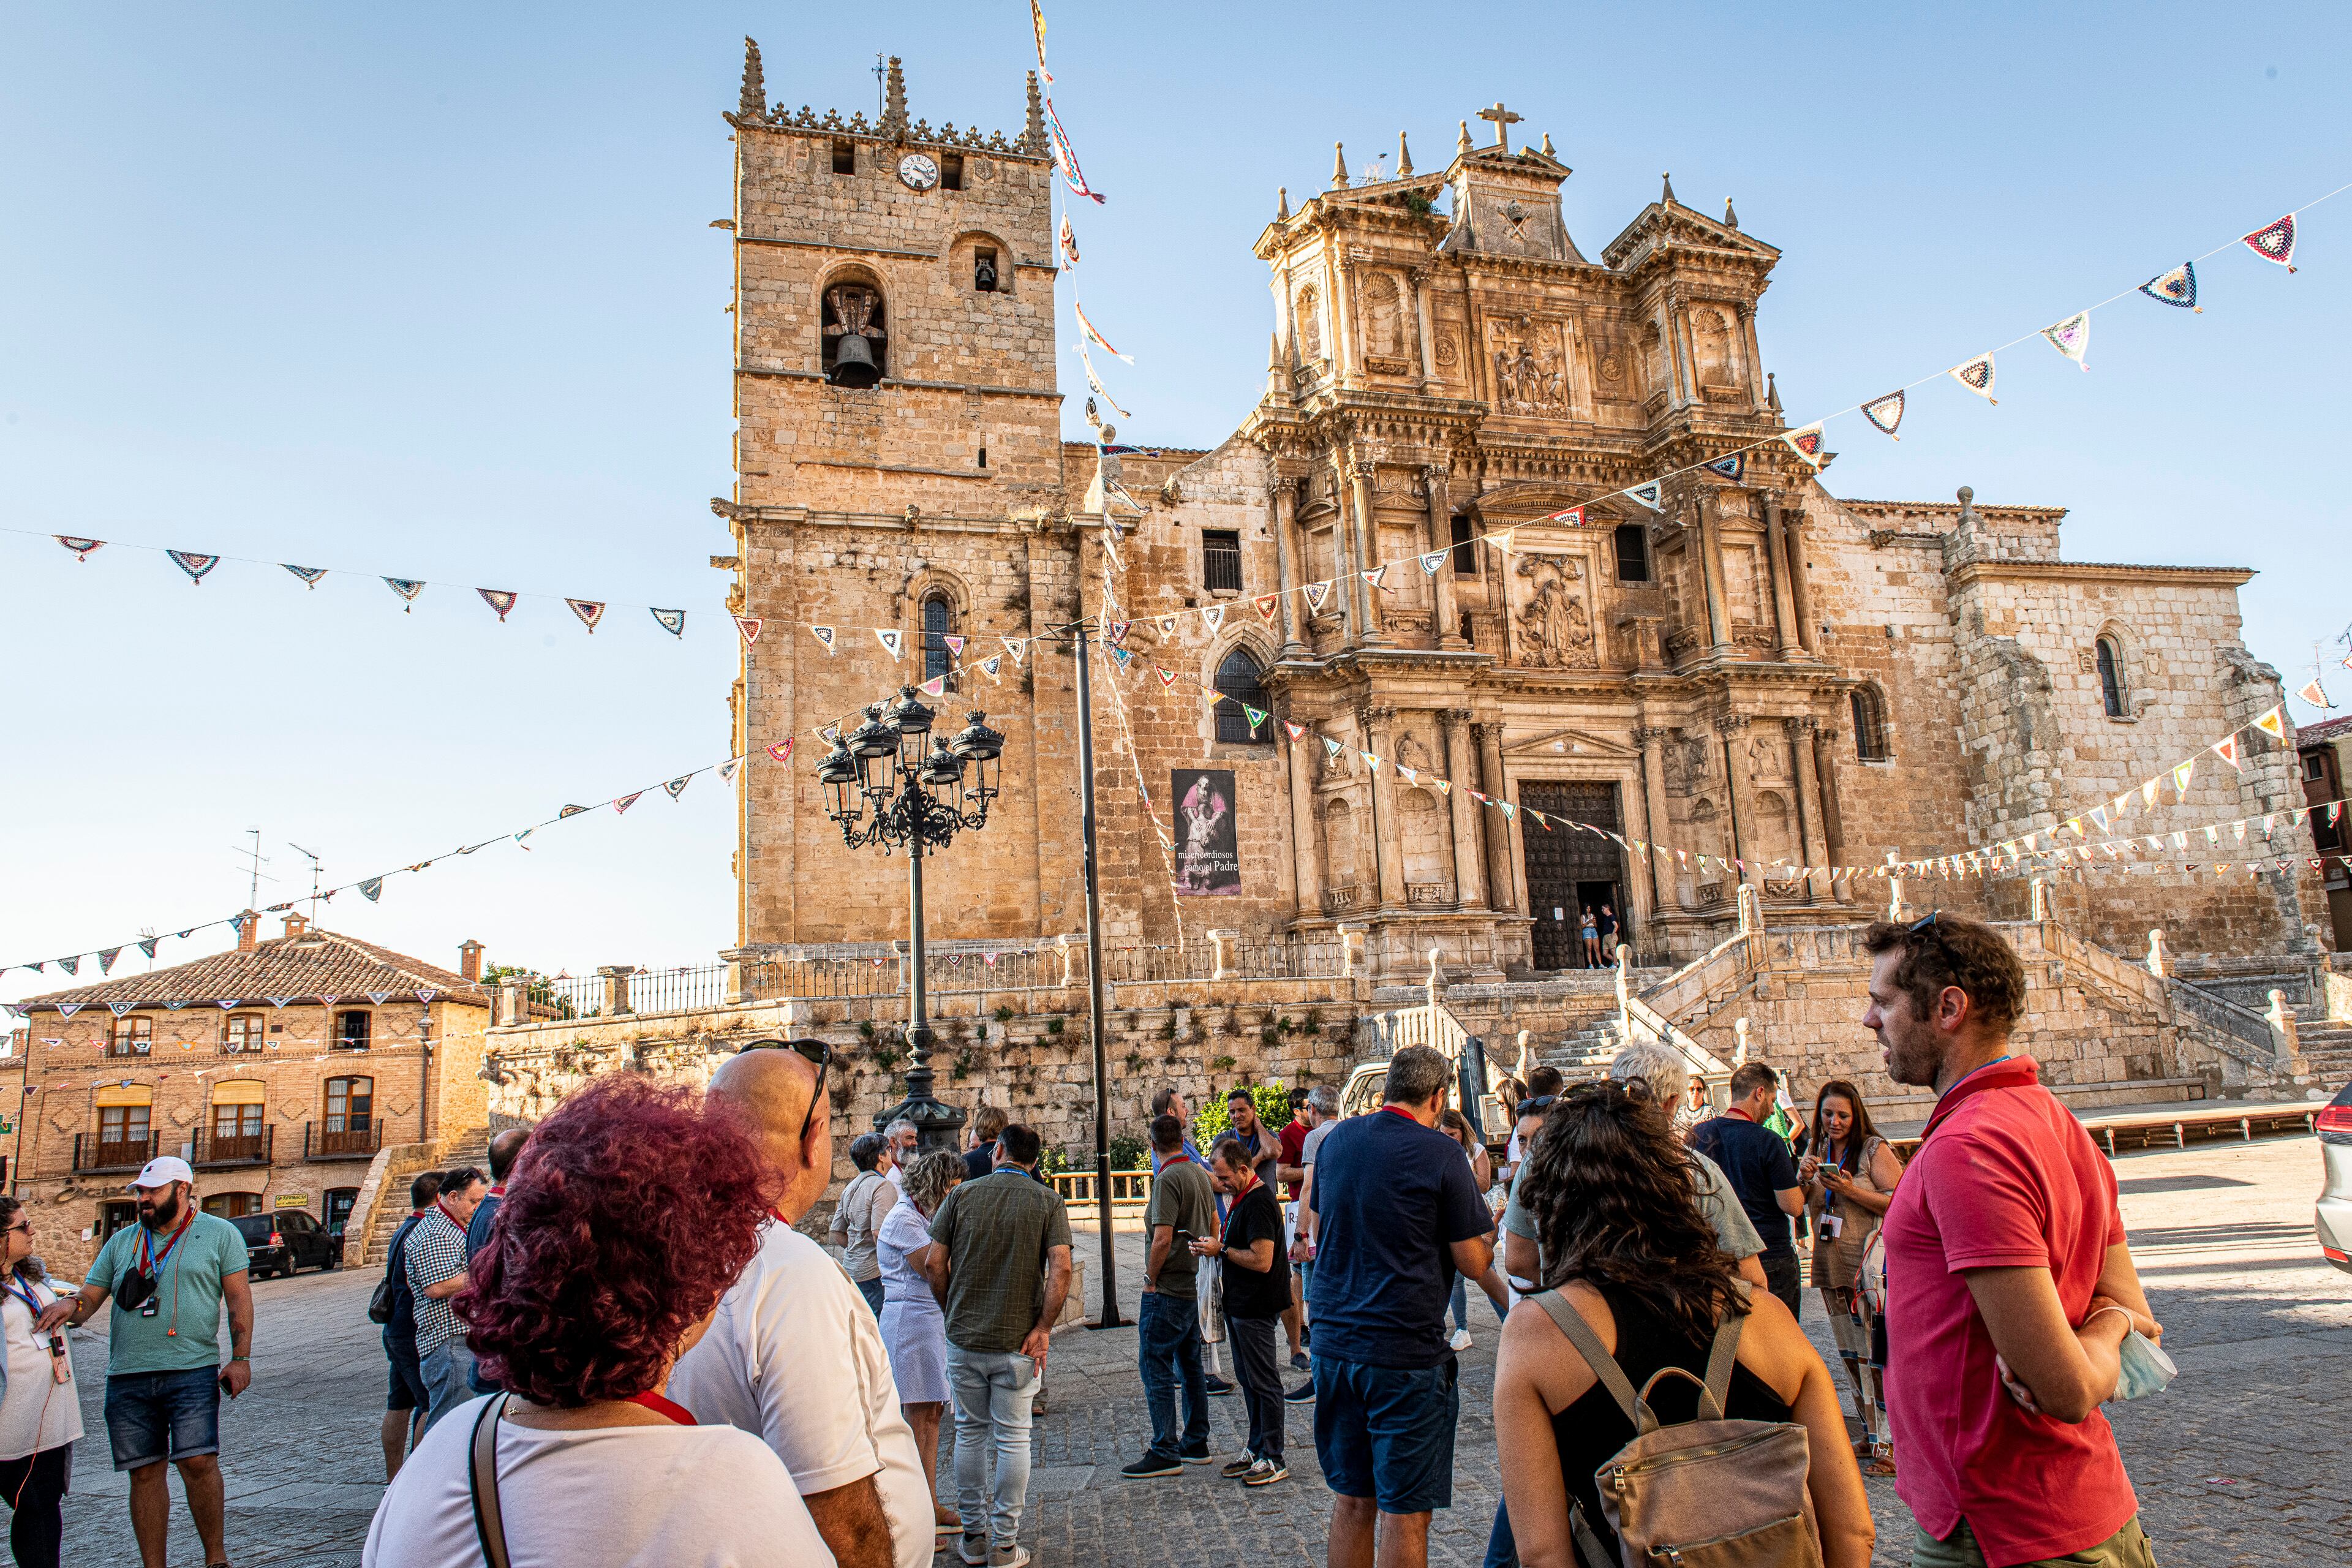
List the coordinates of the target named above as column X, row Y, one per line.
column 1504, row 119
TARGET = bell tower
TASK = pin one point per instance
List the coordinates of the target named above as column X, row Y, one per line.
column 898, row 438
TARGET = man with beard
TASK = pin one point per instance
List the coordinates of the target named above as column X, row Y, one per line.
column 169, row 1275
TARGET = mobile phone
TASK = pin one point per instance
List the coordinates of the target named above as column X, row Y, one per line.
column 1184, row 1235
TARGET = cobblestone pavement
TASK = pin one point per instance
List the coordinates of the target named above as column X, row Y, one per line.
column 2242, row 1462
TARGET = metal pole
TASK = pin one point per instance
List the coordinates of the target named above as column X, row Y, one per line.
column 1108, row 1318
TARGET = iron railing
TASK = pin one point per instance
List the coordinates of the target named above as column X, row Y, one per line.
column 821, row 979
column 678, row 990
column 1151, row 965
column 1221, row 561
column 212, row 1148
column 113, row 1153
column 348, row 1143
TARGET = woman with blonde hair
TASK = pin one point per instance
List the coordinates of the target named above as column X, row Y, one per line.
column 914, row 1330
column 1849, row 1180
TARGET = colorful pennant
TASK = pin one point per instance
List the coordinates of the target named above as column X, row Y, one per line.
column 590, row 612
column 671, row 621
column 80, row 547
column 782, row 751
column 372, row 890
column 408, row 588
column 498, row 599
column 194, row 563
column 1807, row 444
column 1884, row 413
column 621, row 805
column 1069, row 243
column 893, row 641
column 1572, row 517
column 2177, row 287
column 1064, row 158
column 749, row 625
column 2274, row 242
column 1733, row 467
column 2072, row 337
column 1093, row 336
column 1650, row 494
column 1977, row 376
column 310, row 575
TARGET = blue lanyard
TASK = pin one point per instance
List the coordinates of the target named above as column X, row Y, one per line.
column 24, row 1293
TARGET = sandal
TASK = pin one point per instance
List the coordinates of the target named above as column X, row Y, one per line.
column 1881, row 1461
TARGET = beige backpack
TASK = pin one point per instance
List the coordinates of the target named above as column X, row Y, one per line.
column 1703, row 1493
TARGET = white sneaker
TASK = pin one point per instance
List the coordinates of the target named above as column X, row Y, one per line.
column 974, row 1549
column 1009, row 1557
column 1461, row 1340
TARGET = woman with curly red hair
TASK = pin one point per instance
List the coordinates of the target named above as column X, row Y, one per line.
column 628, row 1216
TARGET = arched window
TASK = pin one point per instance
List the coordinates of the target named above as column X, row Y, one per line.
column 1870, row 725
column 2110, row 678
column 1237, row 681
column 939, row 625
column 853, row 310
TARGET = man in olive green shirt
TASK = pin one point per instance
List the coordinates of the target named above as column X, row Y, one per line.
column 1001, row 1270
column 1168, row 1324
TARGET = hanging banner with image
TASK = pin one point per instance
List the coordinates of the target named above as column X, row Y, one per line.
column 1209, row 864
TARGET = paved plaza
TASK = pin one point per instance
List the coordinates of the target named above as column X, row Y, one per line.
column 2243, row 1462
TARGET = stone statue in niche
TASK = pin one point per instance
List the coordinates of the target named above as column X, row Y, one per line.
column 1384, row 318
column 1531, row 370
column 1410, row 752
column 1554, row 630
column 1714, row 346
column 1768, row 760
column 1331, row 770
column 1309, row 317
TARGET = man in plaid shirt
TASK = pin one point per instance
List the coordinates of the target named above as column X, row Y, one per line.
column 434, row 1255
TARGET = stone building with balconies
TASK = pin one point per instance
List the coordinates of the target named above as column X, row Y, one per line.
column 280, row 1070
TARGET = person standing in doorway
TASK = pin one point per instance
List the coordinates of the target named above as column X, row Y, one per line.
column 1587, row 928
column 170, row 1276
column 41, row 1404
column 999, row 1265
column 1608, row 922
column 404, row 1407
column 2011, row 1286
column 1397, row 1216
column 1257, row 1289
column 1168, row 1321
column 1756, row 1160
column 435, row 1259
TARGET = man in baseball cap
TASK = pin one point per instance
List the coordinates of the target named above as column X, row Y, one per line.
column 169, row 1275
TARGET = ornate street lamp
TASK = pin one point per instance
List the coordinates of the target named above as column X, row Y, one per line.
column 892, row 782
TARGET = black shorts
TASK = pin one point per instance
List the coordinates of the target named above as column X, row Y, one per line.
column 408, row 1391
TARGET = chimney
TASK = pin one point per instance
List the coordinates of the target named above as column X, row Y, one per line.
column 248, row 931
column 470, row 961
column 296, row 924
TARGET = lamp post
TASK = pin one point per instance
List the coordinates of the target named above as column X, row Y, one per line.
column 892, row 782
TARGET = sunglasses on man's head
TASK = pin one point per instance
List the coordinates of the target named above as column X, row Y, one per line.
column 816, row 1053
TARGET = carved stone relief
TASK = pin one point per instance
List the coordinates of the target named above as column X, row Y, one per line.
column 1449, row 353
column 1554, row 628
column 1531, row 359
column 1309, row 317
column 1384, row 341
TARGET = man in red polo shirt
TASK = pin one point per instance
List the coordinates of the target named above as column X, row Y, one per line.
column 2009, row 1286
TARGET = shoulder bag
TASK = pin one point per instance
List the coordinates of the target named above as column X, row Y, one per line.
column 490, row 1522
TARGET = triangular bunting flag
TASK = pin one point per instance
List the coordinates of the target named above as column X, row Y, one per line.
column 106, row 957
column 378, row 997
column 2274, row 242
column 194, row 563
column 80, row 547
column 2072, row 337
column 147, row 945
column 2177, row 287
column 1885, row 413
column 936, row 686
column 1334, row 747
column 748, row 626
column 1977, row 376
column 1296, row 730
column 1431, row 562
column 677, row 786
column 1502, row 540
column 120, row 1008
column 1733, row 467
column 1214, row 615
column 374, row 886
column 1121, row 656
column 1371, row 761
column 2226, row 748
column 1510, row 811
column 406, row 587
column 893, row 641
column 567, row 811
column 1442, row 786
column 1572, row 517
column 1648, row 493
column 310, row 575
column 2181, row 774
column 590, row 612
column 1166, row 677
column 2314, row 695
column 498, row 599
column 822, row 634
column 1806, row 443
column 1376, row 574
column 626, row 800
column 1316, row 594
column 1265, row 604
column 68, row 1009
column 1069, row 243
column 2272, row 723
column 990, row 665
column 727, row 769
column 671, row 621
column 2148, row 791
column 1166, row 625
column 954, row 645
column 1256, row 717
column 1017, row 649
column 1410, row 775
column 781, row 752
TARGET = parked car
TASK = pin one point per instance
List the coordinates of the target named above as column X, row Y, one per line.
column 2333, row 1222
column 287, row 1242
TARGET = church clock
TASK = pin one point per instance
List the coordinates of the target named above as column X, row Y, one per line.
column 919, row 172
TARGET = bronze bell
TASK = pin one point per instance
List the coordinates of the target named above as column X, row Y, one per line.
column 983, row 275
column 853, row 363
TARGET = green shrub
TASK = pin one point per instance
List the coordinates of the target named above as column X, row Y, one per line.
column 1129, row 1152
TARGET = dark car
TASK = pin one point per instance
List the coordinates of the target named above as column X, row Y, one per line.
column 287, row 1242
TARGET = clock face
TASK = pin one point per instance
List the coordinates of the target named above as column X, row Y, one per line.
column 917, row 172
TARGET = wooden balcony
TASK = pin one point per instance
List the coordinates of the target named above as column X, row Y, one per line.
column 319, row 1142
column 92, row 1154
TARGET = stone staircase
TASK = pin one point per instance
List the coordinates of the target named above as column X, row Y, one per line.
column 2327, row 1046
column 398, row 1172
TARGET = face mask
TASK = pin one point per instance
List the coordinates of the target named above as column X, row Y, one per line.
column 2146, row 1368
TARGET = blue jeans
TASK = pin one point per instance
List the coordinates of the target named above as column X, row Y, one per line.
column 1502, row 1546
column 872, row 1290
column 152, row 1417
column 1461, row 1303
column 449, row 1369
column 992, row 1393
column 1167, row 1344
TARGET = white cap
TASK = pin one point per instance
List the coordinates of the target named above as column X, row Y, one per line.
column 163, row 1170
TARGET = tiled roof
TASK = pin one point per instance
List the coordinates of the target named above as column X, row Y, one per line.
column 2325, row 730
column 316, row 963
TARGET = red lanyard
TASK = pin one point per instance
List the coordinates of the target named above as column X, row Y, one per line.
column 453, row 1219
column 2001, row 1072
column 151, row 1262
column 1400, row 1111
column 661, row 1405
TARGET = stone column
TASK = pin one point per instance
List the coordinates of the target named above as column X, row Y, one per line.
column 1755, row 356
column 1784, row 605
column 1339, row 275
column 1343, row 556
column 1469, row 886
column 1711, row 555
column 1379, row 726
column 616, row 988
column 1305, row 859
column 1824, row 749
column 1666, row 890
column 1814, row 844
column 1730, row 727
column 1800, row 591
column 1502, row 884
column 1281, row 496
column 1367, row 553
column 1420, row 277
column 1445, row 616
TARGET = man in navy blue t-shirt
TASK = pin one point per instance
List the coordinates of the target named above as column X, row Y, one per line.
column 1397, row 1216
column 1755, row 1159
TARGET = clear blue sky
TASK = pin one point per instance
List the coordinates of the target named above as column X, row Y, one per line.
column 430, row 291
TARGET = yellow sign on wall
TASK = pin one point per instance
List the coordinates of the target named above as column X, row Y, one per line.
column 293, row 1200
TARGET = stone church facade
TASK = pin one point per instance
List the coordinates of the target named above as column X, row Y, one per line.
column 1757, row 670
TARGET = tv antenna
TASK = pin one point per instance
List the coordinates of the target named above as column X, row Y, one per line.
column 257, row 875
column 881, row 103
column 314, row 877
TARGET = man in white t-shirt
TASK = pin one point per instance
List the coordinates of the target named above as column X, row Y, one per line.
column 794, row 1355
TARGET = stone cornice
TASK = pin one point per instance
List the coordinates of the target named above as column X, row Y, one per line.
column 2100, row 572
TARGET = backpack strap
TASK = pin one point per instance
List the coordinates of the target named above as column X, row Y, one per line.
column 1588, row 1549
column 1727, row 1347
column 489, row 1519
column 1588, row 1344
